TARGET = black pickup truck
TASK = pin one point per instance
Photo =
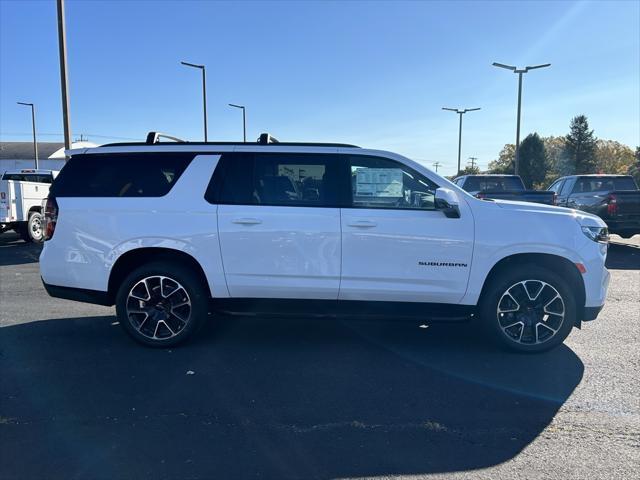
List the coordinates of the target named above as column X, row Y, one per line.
column 503, row 187
column 614, row 198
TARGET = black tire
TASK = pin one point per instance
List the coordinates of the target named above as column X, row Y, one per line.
column 21, row 230
column 533, row 322
column 163, row 325
column 35, row 232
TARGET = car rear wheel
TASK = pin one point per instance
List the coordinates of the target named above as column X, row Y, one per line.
column 531, row 309
column 161, row 304
column 35, row 231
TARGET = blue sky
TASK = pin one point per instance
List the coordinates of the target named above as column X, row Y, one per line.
column 371, row 73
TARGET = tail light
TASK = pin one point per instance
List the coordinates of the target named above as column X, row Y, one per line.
column 555, row 198
column 3, row 195
column 50, row 217
column 612, row 205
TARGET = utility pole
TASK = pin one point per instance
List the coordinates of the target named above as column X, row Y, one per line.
column 33, row 126
column 436, row 165
column 519, row 71
column 460, row 112
column 62, row 46
column 204, row 93
column 473, row 161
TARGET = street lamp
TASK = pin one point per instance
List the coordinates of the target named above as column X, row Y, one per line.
column 204, row 93
column 33, row 125
column 460, row 112
column 519, row 71
column 244, row 121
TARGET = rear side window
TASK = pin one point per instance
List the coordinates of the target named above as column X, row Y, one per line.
column 120, row 175
column 276, row 179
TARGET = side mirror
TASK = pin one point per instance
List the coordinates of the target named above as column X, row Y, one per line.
column 447, row 201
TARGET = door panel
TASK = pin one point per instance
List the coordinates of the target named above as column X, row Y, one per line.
column 408, row 255
column 395, row 245
column 280, row 252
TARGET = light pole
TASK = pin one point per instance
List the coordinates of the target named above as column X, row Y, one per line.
column 204, row 93
column 33, row 126
column 244, row 121
column 460, row 112
column 519, row 71
column 64, row 77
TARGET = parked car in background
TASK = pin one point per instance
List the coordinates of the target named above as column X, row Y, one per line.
column 188, row 228
column 614, row 198
column 502, row 187
column 21, row 195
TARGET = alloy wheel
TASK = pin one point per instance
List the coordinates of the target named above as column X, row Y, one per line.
column 158, row 307
column 531, row 312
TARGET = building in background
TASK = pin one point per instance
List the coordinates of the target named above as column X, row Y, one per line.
column 15, row 155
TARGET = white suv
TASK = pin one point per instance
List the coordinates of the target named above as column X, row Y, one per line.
column 170, row 232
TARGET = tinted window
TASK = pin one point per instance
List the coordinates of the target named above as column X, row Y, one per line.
column 278, row 179
column 566, row 187
column 120, row 175
column 492, row 184
column 27, row 177
column 382, row 183
column 603, row 184
column 556, row 186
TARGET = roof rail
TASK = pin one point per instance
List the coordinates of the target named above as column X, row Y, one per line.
column 154, row 137
column 265, row 139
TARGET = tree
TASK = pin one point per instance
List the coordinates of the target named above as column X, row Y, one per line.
column 580, row 146
column 635, row 168
column 505, row 162
column 613, row 157
column 469, row 170
column 533, row 161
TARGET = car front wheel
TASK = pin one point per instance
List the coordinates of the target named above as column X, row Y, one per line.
column 161, row 304
column 529, row 310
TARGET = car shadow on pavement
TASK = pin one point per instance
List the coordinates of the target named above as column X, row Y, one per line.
column 15, row 251
column 623, row 256
column 252, row 397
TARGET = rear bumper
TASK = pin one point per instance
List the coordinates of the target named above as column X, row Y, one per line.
column 78, row 294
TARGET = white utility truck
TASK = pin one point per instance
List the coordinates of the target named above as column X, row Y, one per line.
column 21, row 195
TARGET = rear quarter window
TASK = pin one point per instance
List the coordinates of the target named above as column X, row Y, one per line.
column 120, row 175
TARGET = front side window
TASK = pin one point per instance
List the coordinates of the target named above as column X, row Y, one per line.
column 383, row 183
column 276, row 179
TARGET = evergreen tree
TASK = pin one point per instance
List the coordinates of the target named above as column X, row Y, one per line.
column 580, row 146
column 533, row 161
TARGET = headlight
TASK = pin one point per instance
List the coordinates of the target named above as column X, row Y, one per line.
column 597, row 234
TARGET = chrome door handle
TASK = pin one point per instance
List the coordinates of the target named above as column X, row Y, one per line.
column 246, row 221
column 362, row 224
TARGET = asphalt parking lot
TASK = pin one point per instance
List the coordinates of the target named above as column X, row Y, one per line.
column 300, row 398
